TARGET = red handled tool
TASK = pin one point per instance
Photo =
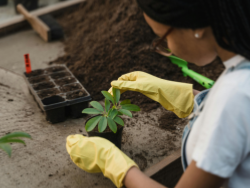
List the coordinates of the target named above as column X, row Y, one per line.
column 27, row 63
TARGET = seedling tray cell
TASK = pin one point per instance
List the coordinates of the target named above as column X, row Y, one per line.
column 38, row 79
column 66, row 80
column 58, row 93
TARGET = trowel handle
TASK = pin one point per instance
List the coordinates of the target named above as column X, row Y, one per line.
column 204, row 81
column 24, row 12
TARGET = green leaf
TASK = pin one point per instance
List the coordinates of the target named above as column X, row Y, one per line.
column 126, row 112
column 102, row 124
column 107, row 104
column 6, row 147
column 127, row 101
column 110, row 111
column 13, row 140
column 15, row 134
column 113, row 113
column 116, row 94
column 97, row 105
column 119, row 113
column 112, row 125
column 119, row 120
column 131, row 107
column 90, row 125
column 91, row 111
column 108, row 96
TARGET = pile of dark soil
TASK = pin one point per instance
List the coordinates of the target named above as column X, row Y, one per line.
column 108, row 38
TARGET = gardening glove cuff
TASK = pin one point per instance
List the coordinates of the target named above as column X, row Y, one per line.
column 174, row 96
column 95, row 155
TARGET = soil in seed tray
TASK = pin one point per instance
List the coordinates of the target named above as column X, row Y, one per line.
column 70, row 87
column 65, row 81
column 37, row 72
column 55, row 69
column 59, row 75
column 48, row 93
column 38, row 79
column 76, row 94
column 44, row 85
column 120, row 45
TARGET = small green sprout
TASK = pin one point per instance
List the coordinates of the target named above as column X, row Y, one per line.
column 109, row 116
column 12, row 138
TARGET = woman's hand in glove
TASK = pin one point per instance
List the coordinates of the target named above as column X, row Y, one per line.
column 174, row 96
column 96, row 155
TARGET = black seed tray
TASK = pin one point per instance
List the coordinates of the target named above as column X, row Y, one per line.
column 58, row 93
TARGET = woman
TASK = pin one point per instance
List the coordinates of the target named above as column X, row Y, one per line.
column 216, row 152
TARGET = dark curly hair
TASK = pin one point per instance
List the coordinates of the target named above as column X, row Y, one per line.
column 229, row 19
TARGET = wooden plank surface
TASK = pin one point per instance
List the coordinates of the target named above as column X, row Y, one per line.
column 19, row 21
column 163, row 163
column 168, row 171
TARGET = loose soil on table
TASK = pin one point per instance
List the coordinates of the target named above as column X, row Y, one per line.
column 76, row 94
column 48, row 93
column 59, row 75
column 44, row 85
column 55, row 69
column 64, row 81
column 38, row 79
column 70, row 87
column 169, row 121
column 35, row 73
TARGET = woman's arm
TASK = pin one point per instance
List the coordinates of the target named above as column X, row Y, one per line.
column 192, row 178
column 195, row 92
column 136, row 179
column 195, row 178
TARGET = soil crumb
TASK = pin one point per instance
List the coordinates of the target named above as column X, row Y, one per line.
column 107, row 38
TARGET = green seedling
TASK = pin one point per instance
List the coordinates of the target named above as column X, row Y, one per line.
column 110, row 114
column 204, row 81
column 12, row 138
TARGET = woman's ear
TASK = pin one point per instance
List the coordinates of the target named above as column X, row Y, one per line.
column 199, row 33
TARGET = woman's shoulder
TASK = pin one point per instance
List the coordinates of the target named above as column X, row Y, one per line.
column 231, row 95
column 234, row 85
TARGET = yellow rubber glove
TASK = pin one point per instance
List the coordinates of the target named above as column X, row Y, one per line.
column 95, row 155
column 174, row 96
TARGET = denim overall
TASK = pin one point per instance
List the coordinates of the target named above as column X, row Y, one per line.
column 199, row 102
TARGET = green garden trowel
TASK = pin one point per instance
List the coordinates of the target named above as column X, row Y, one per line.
column 204, row 81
